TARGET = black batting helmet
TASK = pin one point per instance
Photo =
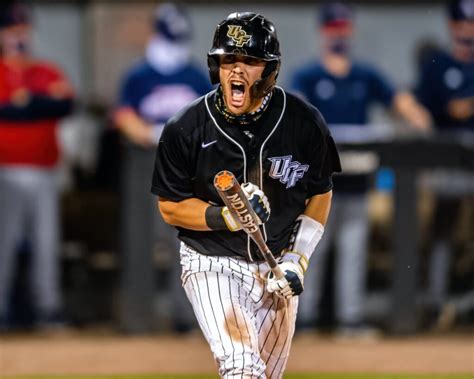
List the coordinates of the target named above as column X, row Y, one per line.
column 251, row 35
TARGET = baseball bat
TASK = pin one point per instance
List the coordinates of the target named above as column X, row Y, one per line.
column 238, row 204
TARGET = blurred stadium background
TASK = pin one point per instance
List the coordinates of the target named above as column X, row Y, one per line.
column 95, row 42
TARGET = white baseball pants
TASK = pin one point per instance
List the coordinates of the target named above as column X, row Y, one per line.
column 248, row 329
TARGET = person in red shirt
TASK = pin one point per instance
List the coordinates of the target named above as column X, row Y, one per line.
column 34, row 95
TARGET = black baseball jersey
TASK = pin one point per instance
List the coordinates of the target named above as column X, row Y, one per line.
column 288, row 152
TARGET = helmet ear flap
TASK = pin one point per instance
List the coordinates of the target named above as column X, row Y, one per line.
column 269, row 75
column 270, row 68
column 213, row 64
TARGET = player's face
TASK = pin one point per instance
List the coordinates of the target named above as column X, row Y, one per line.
column 15, row 41
column 337, row 39
column 463, row 39
column 237, row 75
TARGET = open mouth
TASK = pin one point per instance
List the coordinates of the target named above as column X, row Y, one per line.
column 238, row 91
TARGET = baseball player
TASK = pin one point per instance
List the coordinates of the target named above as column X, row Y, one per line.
column 153, row 90
column 446, row 87
column 34, row 96
column 446, row 80
column 344, row 88
column 278, row 146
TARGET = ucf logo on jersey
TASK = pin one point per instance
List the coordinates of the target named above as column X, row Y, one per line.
column 286, row 170
column 239, row 36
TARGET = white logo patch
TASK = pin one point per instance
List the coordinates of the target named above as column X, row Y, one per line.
column 325, row 89
column 165, row 100
column 453, row 78
column 287, row 171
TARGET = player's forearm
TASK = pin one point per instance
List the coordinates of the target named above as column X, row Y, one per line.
column 189, row 213
column 412, row 112
column 37, row 108
column 462, row 108
column 134, row 127
column 318, row 207
column 307, row 232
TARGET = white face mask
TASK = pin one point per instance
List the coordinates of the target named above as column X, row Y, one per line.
column 167, row 57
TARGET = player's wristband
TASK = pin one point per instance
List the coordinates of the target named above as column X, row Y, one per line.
column 307, row 232
column 214, row 219
column 219, row 218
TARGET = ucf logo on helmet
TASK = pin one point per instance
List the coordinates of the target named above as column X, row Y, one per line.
column 239, row 36
column 287, row 171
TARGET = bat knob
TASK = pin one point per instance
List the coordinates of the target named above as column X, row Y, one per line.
column 224, row 180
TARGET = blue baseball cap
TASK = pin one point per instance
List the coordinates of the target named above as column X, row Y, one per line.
column 172, row 22
column 335, row 14
column 461, row 10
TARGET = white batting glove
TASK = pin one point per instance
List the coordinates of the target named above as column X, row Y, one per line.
column 259, row 202
column 292, row 283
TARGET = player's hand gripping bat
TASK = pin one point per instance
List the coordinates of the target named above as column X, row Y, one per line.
column 238, row 204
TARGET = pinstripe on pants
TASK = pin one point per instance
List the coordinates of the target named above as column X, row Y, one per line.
column 248, row 329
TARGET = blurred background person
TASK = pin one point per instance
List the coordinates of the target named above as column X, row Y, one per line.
column 343, row 89
column 152, row 91
column 163, row 82
column 34, row 96
column 446, row 88
column 446, row 83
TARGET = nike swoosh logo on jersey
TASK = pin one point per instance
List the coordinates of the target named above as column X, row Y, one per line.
column 204, row 145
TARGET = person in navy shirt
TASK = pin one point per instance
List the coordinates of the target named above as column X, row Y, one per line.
column 343, row 90
column 163, row 83
column 156, row 88
column 34, row 96
column 446, row 83
column 446, row 88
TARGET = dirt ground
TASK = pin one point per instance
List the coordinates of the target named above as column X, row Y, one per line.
column 107, row 353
